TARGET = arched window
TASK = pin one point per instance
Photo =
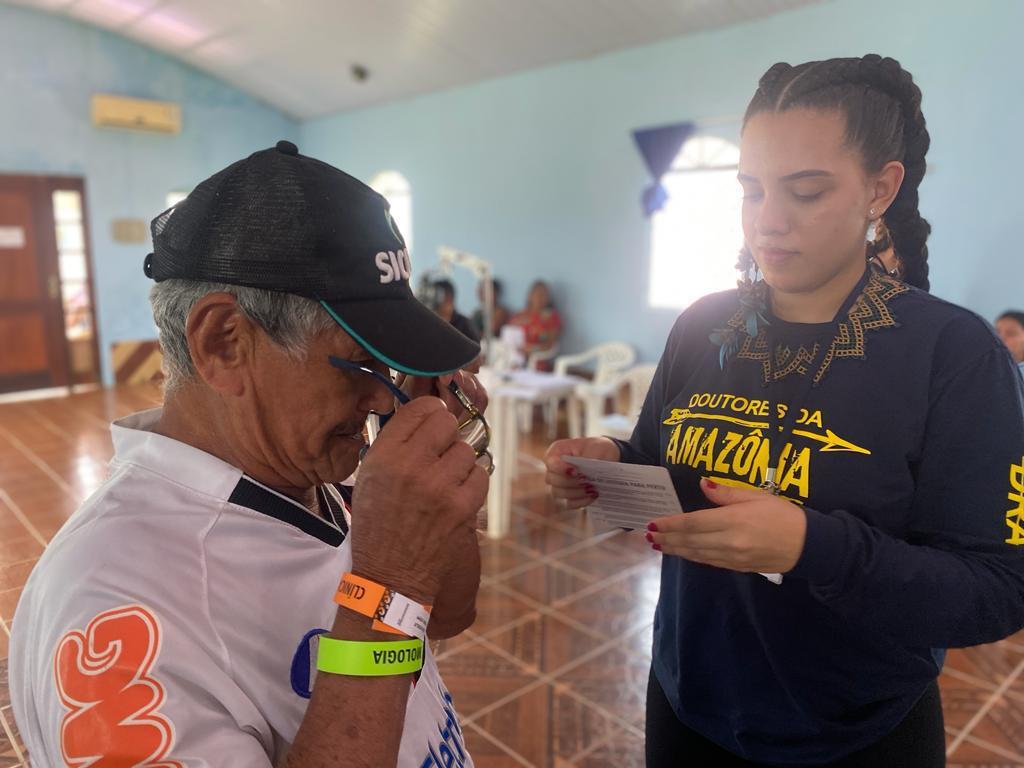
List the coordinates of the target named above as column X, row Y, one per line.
column 697, row 236
column 398, row 193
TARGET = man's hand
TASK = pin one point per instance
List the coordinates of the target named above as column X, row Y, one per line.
column 566, row 482
column 418, row 490
column 419, row 386
column 750, row 530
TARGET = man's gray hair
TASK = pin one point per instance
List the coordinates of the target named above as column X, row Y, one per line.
column 290, row 321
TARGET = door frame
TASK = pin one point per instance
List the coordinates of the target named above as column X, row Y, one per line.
column 48, row 265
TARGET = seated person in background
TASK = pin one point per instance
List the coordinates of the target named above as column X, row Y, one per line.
column 1010, row 327
column 540, row 320
column 179, row 616
column 499, row 315
column 445, row 296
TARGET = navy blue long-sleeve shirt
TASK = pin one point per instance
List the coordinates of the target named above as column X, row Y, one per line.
column 908, row 455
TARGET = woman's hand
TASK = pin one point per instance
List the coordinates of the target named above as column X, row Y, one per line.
column 750, row 530
column 566, row 482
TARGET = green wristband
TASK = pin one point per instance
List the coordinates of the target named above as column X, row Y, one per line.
column 348, row 657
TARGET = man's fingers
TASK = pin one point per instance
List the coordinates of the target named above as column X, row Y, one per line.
column 457, row 462
column 473, row 493
column 435, row 434
column 410, row 418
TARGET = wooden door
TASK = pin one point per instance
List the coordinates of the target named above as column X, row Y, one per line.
column 33, row 350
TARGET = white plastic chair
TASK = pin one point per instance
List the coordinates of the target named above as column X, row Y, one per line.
column 593, row 397
column 541, row 355
column 533, row 362
column 607, row 360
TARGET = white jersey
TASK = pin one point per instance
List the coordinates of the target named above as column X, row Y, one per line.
column 161, row 624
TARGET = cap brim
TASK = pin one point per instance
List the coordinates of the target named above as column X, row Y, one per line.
column 405, row 334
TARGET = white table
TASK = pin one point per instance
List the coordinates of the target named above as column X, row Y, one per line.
column 507, row 390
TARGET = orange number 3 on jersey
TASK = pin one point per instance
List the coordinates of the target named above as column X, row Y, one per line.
column 103, row 678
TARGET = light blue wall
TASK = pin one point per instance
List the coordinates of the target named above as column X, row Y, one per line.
column 49, row 67
column 538, row 173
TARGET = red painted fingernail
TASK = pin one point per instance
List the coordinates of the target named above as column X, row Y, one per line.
column 710, row 483
column 652, row 527
column 649, row 537
column 656, row 547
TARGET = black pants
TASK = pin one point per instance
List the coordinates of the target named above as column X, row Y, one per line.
column 917, row 742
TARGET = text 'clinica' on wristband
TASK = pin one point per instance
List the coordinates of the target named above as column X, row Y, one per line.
column 391, row 611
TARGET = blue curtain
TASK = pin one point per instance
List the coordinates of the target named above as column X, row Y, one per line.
column 659, row 147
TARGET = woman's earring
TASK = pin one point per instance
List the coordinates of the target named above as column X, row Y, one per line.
column 872, row 230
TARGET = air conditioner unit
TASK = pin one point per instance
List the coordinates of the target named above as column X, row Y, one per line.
column 110, row 111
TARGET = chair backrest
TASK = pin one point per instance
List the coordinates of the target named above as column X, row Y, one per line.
column 608, row 360
column 503, row 357
column 638, row 379
column 611, row 359
column 541, row 355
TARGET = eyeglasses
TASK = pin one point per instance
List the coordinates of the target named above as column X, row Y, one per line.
column 473, row 429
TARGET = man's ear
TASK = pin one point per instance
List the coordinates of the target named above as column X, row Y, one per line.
column 220, row 340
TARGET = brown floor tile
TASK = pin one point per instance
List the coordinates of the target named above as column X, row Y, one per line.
column 644, row 585
column 1002, row 727
column 495, row 609
column 975, row 754
column 612, row 556
column 545, row 583
column 961, row 700
column 610, row 610
column 498, row 557
column 478, row 677
column 640, row 642
column 546, row 726
column 625, row 750
column 5, row 650
column 1017, row 640
column 19, row 549
column 451, row 645
column 633, row 546
column 615, row 681
column 11, row 754
column 16, row 574
column 990, row 663
column 542, row 538
column 487, row 754
column 545, row 644
column 8, row 602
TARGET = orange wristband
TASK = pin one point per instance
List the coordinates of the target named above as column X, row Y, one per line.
column 390, row 611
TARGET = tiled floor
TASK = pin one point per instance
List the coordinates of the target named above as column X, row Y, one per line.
column 552, row 674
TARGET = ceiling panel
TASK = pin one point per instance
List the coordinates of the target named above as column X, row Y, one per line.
column 297, row 54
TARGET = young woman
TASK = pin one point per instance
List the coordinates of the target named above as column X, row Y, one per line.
column 837, row 425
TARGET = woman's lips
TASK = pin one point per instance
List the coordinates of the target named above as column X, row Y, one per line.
column 776, row 256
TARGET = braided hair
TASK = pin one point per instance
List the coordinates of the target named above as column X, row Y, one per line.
column 882, row 107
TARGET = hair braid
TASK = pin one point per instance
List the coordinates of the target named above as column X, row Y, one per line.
column 882, row 106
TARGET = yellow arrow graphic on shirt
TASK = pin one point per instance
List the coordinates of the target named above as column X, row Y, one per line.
column 831, row 441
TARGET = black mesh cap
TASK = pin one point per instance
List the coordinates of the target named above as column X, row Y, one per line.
column 285, row 222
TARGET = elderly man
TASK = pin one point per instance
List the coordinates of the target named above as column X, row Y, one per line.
column 179, row 616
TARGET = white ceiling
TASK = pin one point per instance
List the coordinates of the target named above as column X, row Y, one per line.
column 297, row 54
